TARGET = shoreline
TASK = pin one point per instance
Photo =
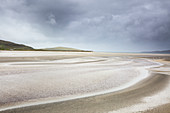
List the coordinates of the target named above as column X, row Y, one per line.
column 133, row 86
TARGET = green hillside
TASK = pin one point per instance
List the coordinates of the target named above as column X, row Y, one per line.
column 60, row 48
column 65, row 49
column 7, row 45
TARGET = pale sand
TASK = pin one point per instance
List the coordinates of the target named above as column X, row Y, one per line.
column 48, row 77
column 103, row 103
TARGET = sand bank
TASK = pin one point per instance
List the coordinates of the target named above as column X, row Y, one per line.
column 103, row 103
column 48, row 81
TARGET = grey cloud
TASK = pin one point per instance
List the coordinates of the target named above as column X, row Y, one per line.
column 41, row 12
column 113, row 25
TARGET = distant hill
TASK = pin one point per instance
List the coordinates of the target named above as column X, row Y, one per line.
column 7, row 45
column 60, row 48
column 163, row 52
column 65, row 49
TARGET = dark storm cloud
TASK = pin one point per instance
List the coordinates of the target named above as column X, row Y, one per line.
column 43, row 13
column 113, row 25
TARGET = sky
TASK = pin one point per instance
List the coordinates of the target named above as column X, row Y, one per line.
column 98, row 25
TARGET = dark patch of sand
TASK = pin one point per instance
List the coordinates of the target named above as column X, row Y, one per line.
column 160, row 109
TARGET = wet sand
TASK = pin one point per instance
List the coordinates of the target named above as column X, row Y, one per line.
column 94, row 74
column 159, row 109
column 103, row 103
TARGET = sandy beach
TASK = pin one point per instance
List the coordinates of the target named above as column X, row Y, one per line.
column 84, row 82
